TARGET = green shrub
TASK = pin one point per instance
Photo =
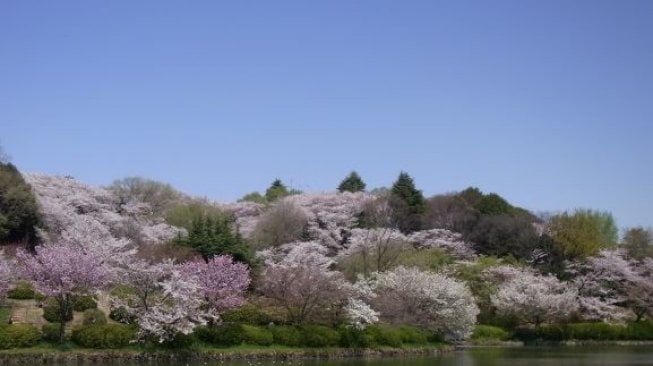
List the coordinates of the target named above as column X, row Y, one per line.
column 256, row 335
column 22, row 291
column 121, row 315
column 596, row 331
column 384, row 335
column 640, row 331
column 51, row 312
column 412, row 335
column 286, row 335
column 487, row 332
column 18, row 335
column 179, row 341
column 83, row 303
column 104, row 336
column 319, row 336
column 51, row 332
column 94, row 317
column 352, row 337
column 248, row 314
column 224, row 335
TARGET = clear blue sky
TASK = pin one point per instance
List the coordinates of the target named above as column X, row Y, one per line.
column 548, row 103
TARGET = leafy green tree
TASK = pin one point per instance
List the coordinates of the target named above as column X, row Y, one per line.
column 352, row 183
column 19, row 211
column 493, row 204
column 503, row 235
column 276, row 190
column 583, row 233
column 638, row 242
column 160, row 196
column 213, row 235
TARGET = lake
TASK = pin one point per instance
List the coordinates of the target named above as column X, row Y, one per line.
column 519, row 356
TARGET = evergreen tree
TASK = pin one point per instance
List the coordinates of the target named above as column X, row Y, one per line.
column 404, row 189
column 353, row 183
column 211, row 236
column 19, row 212
column 276, row 190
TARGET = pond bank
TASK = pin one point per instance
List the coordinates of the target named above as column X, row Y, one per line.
column 31, row 356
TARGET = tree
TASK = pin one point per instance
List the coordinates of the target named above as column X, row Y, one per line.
column 63, row 271
column 502, row 235
column 222, row 282
column 535, row 299
column 160, row 196
column 276, row 190
column 253, row 197
column 301, row 290
column 430, row 300
column 408, row 203
column 19, row 212
column 6, row 276
column 493, row 204
column 638, row 242
column 352, row 183
column 215, row 235
column 373, row 250
column 284, row 222
column 583, row 233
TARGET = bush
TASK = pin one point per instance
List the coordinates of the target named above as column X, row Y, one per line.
column 256, row 335
column 319, row 336
column 51, row 332
column 412, row 335
column 487, row 332
column 286, row 335
column 121, row 315
column 52, row 314
column 224, row 335
column 384, row 335
column 283, row 223
column 352, row 337
column 94, row 317
column 587, row 331
column 179, row 341
column 640, row 331
column 22, row 291
column 83, row 303
column 248, row 314
column 596, row 331
column 104, row 336
column 18, row 335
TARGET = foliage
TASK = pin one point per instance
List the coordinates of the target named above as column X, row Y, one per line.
column 642, row 331
column 583, row 233
column 286, row 335
column 94, row 317
column 82, row 303
column 319, row 336
column 19, row 211
column 408, row 203
column 489, row 332
column 253, row 197
column 502, row 235
column 22, row 290
column 384, row 335
column 432, row 301
column 352, row 183
column 248, row 314
column 638, row 242
column 412, row 335
column 18, row 336
column 214, row 236
column 159, row 196
column 51, row 332
column 104, row 335
column 352, row 337
column 493, row 204
column 256, row 335
column 426, row 259
column 372, row 250
column 276, row 190
column 285, row 222
column 223, row 335
column 186, row 214
column 53, row 313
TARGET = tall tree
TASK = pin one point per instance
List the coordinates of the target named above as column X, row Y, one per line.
column 583, row 233
column 352, row 183
column 638, row 242
column 408, row 203
column 215, row 235
column 19, row 212
column 276, row 190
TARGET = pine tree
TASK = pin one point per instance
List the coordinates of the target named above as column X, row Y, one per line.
column 276, row 190
column 353, row 183
column 404, row 189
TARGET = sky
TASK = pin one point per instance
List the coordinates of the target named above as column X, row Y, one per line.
column 547, row 103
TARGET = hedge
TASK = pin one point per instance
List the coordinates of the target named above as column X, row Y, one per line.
column 104, row 336
column 256, row 335
column 18, row 335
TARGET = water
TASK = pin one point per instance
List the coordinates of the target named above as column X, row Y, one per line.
column 522, row 356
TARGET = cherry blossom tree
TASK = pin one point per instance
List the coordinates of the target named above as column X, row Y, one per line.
column 222, row 282
column 62, row 271
column 373, row 250
column 6, row 275
column 534, row 298
column 430, row 300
